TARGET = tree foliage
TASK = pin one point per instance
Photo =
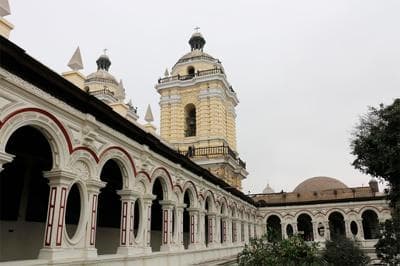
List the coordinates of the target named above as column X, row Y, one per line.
column 292, row 251
column 388, row 246
column 376, row 145
column 344, row 252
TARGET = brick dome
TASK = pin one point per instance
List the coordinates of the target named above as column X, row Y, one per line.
column 319, row 183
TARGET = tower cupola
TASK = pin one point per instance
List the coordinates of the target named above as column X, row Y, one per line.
column 103, row 62
column 197, row 41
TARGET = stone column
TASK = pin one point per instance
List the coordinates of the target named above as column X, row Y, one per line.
column 178, row 237
column 93, row 188
column 360, row 229
column 212, row 232
column 146, row 219
column 347, row 231
column 193, row 226
column 234, row 231
column 295, row 229
column 54, row 242
column 5, row 158
column 202, row 231
column 217, row 230
column 327, row 233
column 283, row 229
column 127, row 238
column 315, row 230
column 225, row 229
column 167, row 209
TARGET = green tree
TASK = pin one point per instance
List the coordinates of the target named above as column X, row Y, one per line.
column 344, row 252
column 292, row 251
column 376, row 145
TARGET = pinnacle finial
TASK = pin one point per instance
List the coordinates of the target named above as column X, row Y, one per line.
column 75, row 63
column 166, row 73
column 197, row 28
column 149, row 115
column 4, row 8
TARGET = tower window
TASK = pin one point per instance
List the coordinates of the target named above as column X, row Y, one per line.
column 190, row 120
column 190, row 70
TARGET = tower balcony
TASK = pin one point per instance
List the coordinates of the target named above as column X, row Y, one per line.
column 200, row 73
column 213, row 152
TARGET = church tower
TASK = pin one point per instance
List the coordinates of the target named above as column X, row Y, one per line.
column 198, row 113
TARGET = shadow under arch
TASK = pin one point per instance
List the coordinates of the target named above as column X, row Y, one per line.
column 24, row 194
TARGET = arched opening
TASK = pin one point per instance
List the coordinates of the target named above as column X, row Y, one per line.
column 305, row 227
column 136, row 217
column 156, row 216
column 24, row 194
column 354, row 228
column 207, row 223
column 336, row 225
column 289, row 230
column 370, row 224
column 190, row 120
column 274, row 230
column 73, row 210
column 190, row 70
column 188, row 225
column 109, row 209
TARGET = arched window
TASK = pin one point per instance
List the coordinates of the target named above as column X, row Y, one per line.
column 190, row 120
column 370, row 224
column 190, row 70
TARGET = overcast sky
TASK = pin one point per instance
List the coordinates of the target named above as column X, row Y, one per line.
column 304, row 71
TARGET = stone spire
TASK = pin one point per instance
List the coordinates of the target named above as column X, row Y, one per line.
column 166, row 73
column 4, row 8
column 149, row 119
column 75, row 63
column 74, row 75
column 149, row 115
column 5, row 26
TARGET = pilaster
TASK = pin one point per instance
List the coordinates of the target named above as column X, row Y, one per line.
column 5, row 158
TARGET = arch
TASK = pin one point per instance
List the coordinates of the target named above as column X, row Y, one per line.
column 274, row 229
column 191, row 185
column 190, row 120
column 109, row 207
column 84, row 165
column 305, row 226
column 124, row 162
column 46, row 123
column 24, row 192
column 370, row 223
column 165, row 178
column 190, row 70
column 336, row 224
column 209, row 196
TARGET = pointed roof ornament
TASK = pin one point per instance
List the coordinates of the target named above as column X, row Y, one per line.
column 149, row 115
column 75, row 63
column 4, row 8
column 166, row 73
column 120, row 84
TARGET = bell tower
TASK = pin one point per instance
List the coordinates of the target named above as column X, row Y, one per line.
column 198, row 113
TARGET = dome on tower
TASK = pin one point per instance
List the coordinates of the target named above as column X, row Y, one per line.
column 196, row 58
column 102, row 74
column 319, row 183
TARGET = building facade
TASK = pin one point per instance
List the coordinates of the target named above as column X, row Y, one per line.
column 82, row 182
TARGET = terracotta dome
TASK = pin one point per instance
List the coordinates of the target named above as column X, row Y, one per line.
column 319, row 183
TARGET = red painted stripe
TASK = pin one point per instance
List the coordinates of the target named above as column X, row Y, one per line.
column 60, row 225
column 50, row 217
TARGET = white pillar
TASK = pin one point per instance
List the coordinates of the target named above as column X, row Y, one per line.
column 127, row 238
column 5, row 158
column 178, row 237
column 93, row 188
column 146, row 219
column 54, row 240
column 193, row 228
column 167, row 208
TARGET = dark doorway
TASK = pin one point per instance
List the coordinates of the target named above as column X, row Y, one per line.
column 274, row 230
column 305, row 227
